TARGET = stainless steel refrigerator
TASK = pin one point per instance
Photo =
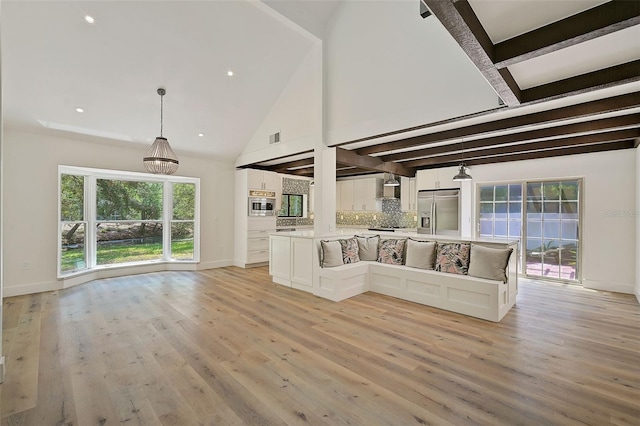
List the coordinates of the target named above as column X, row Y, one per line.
column 439, row 212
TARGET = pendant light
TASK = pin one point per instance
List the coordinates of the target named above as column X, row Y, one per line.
column 391, row 181
column 462, row 173
column 160, row 158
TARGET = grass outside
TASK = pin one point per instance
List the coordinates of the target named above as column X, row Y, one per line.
column 73, row 259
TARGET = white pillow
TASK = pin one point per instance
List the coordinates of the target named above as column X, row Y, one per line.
column 489, row 263
column 368, row 247
column 331, row 254
column 420, row 254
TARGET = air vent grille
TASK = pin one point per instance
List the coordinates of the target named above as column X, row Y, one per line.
column 274, row 138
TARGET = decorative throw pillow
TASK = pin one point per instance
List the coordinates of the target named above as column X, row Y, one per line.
column 391, row 251
column 420, row 254
column 453, row 258
column 489, row 263
column 349, row 250
column 368, row 247
column 331, row 254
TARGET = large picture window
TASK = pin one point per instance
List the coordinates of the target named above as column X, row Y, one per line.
column 118, row 218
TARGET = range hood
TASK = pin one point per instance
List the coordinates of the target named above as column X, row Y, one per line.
column 390, row 192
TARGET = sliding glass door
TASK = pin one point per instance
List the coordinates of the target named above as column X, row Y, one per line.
column 546, row 219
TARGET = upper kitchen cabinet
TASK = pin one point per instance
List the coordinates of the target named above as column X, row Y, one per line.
column 262, row 179
column 358, row 194
column 437, row 178
column 408, row 194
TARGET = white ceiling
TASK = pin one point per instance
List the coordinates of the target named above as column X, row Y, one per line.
column 505, row 19
column 54, row 61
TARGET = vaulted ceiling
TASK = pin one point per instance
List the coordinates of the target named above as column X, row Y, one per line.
column 569, row 83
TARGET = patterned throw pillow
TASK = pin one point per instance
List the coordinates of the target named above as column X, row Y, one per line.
column 391, row 251
column 453, row 258
column 349, row 250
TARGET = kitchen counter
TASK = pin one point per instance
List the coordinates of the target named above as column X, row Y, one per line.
column 399, row 233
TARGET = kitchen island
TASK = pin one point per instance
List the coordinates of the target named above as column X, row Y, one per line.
column 295, row 262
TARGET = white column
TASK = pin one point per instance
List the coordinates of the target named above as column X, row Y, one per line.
column 324, row 190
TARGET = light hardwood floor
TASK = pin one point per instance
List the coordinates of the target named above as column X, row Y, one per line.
column 229, row 347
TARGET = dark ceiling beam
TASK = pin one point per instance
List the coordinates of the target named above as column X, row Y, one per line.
column 352, row 172
column 283, row 167
column 600, row 106
column 539, row 146
column 556, row 152
column 600, row 79
column 461, row 22
column 347, row 157
column 549, row 132
column 302, row 172
column 596, row 22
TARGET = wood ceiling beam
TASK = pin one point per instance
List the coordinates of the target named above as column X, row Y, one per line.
column 293, row 164
column 582, row 149
column 356, row 171
column 351, row 158
column 549, row 132
column 539, row 146
column 596, row 22
column 308, row 172
column 600, row 79
column 461, row 22
column 600, row 106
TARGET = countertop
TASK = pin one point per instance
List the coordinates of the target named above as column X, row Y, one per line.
column 402, row 233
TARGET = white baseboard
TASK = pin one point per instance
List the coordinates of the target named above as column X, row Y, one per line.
column 2, row 370
column 9, row 291
column 215, row 264
column 609, row 286
column 111, row 272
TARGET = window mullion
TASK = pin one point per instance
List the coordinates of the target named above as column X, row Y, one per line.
column 167, row 215
column 90, row 217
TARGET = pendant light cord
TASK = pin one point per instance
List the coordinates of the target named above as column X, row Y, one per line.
column 161, row 113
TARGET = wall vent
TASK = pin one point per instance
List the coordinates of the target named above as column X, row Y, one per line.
column 274, row 138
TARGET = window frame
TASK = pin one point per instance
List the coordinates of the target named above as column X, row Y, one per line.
column 91, row 176
column 522, row 267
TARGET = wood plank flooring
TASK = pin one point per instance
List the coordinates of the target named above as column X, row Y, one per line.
column 229, row 347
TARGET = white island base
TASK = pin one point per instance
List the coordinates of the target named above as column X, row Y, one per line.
column 295, row 262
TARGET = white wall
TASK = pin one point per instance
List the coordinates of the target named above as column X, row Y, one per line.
column 609, row 258
column 297, row 115
column 387, row 69
column 31, row 193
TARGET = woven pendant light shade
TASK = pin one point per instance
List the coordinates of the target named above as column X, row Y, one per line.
column 160, row 158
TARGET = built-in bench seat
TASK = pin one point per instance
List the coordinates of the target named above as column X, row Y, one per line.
column 477, row 297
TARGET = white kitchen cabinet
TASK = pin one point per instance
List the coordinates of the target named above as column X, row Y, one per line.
column 258, row 232
column 358, row 194
column 408, row 194
column 263, row 179
column 290, row 261
column 437, row 178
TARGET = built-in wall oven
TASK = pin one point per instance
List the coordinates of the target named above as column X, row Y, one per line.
column 262, row 203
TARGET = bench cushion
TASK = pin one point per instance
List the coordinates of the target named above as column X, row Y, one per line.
column 490, row 263
column 420, row 254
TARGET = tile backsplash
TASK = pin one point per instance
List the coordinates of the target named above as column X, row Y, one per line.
column 299, row 187
column 390, row 216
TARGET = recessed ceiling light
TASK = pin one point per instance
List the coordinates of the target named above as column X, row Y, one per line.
column 201, row 134
column 230, row 73
column 89, row 19
column 79, row 109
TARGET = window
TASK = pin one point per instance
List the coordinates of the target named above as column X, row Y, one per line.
column 547, row 221
column 292, row 206
column 115, row 218
column 73, row 226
